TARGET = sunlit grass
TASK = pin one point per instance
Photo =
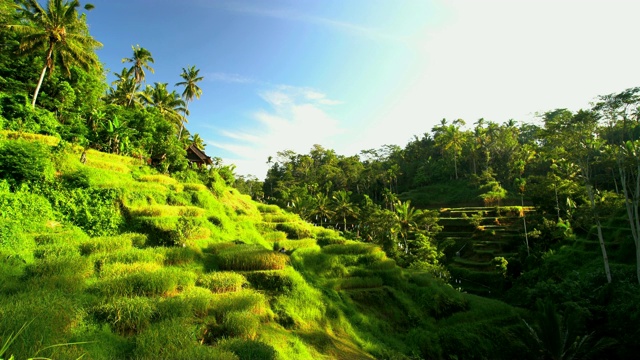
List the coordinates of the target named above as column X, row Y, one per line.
column 167, row 210
column 126, row 315
column 106, row 243
column 245, row 300
column 45, row 139
column 222, row 281
column 161, row 179
column 249, row 257
column 107, row 165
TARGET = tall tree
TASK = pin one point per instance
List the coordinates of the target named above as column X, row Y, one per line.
column 58, row 31
column 191, row 89
column 125, row 87
column 576, row 133
column 343, row 206
column 628, row 160
column 450, row 139
column 407, row 219
column 170, row 105
column 140, row 61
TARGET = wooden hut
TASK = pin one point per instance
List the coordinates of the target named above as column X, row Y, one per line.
column 197, row 156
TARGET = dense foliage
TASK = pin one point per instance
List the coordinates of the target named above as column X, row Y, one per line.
column 104, row 256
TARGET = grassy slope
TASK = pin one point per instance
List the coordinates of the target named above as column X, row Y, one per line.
column 225, row 293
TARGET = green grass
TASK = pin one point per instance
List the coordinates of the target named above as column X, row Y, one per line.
column 126, row 315
column 222, row 281
column 249, row 257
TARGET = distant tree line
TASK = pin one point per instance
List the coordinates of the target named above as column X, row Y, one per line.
column 578, row 168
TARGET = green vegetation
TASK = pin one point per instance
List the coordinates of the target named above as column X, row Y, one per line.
column 88, row 288
column 455, row 246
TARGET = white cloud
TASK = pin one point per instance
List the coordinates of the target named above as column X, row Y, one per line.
column 297, row 120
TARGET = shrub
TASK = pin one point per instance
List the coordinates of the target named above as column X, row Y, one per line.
column 168, row 231
column 13, row 240
column 29, row 211
column 275, row 281
column 198, row 300
column 195, row 187
column 275, row 236
column 140, row 279
column 126, row 315
column 329, row 237
column 47, row 316
column 268, row 209
column 241, row 324
column 223, row 281
column 56, row 251
column 166, row 210
column 294, row 230
column 94, row 210
column 70, row 266
column 250, row 257
column 130, row 256
column 351, row 248
column 291, row 245
column 436, row 300
column 104, row 244
column 277, row 218
column 176, row 339
column 245, row 300
column 248, row 349
column 182, row 255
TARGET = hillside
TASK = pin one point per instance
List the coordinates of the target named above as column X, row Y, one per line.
column 111, row 260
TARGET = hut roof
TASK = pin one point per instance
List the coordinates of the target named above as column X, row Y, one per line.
column 198, row 156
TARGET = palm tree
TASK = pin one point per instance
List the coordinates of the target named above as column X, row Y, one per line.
column 343, row 206
column 125, row 87
column 558, row 337
column 60, row 32
column 170, row 105
column 322, row 208
column 197, row 141
column 191, row 90
column 407, row 219
column 140, row 59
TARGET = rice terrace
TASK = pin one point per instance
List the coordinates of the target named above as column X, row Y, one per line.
column 128, row 232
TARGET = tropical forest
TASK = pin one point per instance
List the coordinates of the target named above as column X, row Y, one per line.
column 475, row 240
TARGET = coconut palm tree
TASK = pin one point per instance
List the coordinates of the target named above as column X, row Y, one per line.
column 191, row 89
column 197, row 141
column 140, row 60
column 322, row 208
column 60, row 33
column 407, row 219
column 342, row 206
column 170, row 105
column 125, row 86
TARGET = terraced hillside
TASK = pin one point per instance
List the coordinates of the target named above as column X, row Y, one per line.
column 480, row 235
column 111, row 260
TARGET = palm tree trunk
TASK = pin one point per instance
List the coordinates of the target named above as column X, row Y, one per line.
column 631, row 203
column 604, row 252
column 455, row 165
column 524, row 220
column 182, row 122
column 605, row 258
column 35, row 94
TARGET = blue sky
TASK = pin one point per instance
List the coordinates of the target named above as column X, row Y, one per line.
column 352, row 75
